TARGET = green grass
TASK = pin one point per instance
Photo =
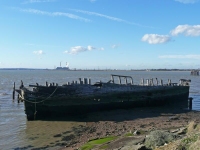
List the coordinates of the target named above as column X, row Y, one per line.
column 129, row 134
column 93, row 143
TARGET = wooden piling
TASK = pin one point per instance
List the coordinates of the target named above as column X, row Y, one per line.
column 14, row 91
column 147, row 82
column 89, row 81
column 85, row 81
column 190, row 103
column 161, row 82
column 156, row 81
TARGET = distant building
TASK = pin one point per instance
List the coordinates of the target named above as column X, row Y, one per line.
column 63, row 68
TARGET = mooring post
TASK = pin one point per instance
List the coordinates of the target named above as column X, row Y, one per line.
column 14, row 91
column 190, row 103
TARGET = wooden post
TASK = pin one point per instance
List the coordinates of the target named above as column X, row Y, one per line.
column 161, row 82
column 147, row 82
column 119, row 80
column 89, row 81
column 22, row 85
column 112, row 79
column 142, row 80
column 156, row 81
column 14, row 91
column 80, row 81
column 125, row 80
column 190, row 103
column 46, row 83
column 85, row 81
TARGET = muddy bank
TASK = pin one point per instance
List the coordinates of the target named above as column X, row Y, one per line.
column 68, row 135
column 122, row 122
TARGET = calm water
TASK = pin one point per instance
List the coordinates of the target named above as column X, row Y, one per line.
column 17, row 133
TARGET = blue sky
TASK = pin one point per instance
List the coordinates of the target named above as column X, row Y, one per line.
column 104, row 34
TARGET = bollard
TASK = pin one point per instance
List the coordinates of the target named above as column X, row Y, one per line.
column 190, row 103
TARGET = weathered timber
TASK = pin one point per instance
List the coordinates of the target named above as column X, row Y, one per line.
column 73, row 98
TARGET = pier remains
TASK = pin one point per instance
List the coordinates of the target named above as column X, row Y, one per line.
column 194, row 72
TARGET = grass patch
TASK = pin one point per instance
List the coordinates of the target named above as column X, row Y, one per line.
column 104, row 146
column 129, row 134
column 93, row 143
column 190, row 139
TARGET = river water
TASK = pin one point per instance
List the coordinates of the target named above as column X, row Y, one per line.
column 17, row 133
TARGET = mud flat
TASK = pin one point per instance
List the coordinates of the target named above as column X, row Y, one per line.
column 120, row 124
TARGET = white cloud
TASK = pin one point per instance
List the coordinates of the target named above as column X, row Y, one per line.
column 101, row 48
column 187, row 1
column 155, row 38
column 53, row 14
column 108, row 17
column 78, row 49
column 191, row 56
column 114, row 46
column 186, row 30
column 39, row 52
column 90, row 47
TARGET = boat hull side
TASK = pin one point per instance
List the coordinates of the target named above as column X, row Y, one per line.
column 126, row 100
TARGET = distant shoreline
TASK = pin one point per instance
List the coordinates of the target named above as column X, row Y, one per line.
column 99, row 69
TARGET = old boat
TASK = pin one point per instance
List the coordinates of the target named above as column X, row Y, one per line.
column 78, row 97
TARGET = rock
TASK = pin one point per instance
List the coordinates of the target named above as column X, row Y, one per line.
column 179, row 131
column 134, row 147
column 136, row 132
column 173, row 118
column 158, row 138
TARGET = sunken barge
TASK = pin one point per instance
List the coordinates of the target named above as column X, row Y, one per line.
column 78, row 97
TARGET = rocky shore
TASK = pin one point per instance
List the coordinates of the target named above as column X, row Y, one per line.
column 160, row 128
column 130, row 127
